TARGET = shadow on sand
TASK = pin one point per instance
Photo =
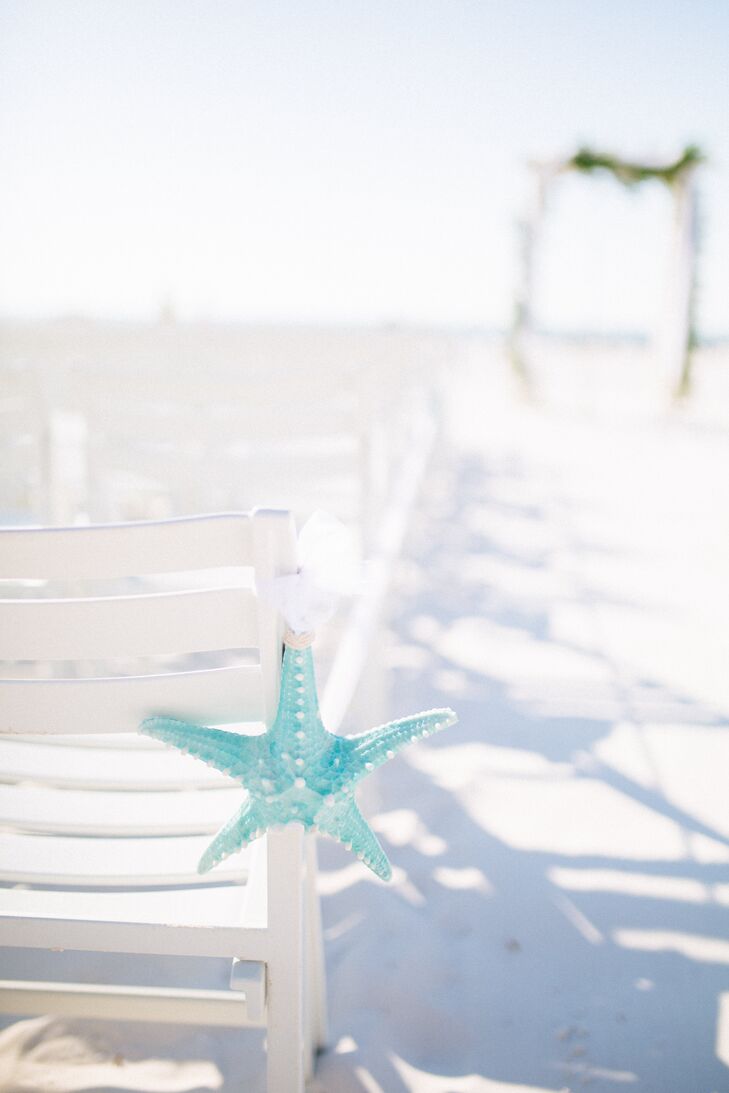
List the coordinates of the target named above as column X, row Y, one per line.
column 511, row 950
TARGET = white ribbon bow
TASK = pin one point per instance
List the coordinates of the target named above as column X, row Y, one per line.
column 327, row 569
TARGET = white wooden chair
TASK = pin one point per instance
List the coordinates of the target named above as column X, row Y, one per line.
column 65, row 833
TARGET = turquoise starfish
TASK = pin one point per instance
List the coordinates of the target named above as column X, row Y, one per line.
column 297, row 771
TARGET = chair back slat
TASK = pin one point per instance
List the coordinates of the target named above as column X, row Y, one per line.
column 86, row 768
column 47, row 809
column 107, row 551
column 213, row 696
column 190, row 621
column 119, row 862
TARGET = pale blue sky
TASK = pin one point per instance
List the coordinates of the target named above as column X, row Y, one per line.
column 348, row 161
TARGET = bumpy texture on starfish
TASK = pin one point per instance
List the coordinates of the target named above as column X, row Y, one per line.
column 297, row 771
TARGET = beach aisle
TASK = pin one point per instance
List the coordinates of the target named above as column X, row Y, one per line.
column 561, row 904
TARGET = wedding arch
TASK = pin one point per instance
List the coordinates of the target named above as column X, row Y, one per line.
column 677, row 334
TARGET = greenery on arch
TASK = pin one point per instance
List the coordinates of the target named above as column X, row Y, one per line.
column 630, row 172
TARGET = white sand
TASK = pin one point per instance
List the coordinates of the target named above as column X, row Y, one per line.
column 559, row 915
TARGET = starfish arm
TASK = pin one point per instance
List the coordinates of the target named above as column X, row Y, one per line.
column 345, row 823
column 230, row 752
column 372, row 749
column 247, row 824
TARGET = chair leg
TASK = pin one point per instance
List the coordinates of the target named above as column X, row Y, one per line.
column 285, row 967
column 315, row 981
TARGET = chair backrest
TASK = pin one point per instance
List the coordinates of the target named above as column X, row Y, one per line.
column 194, row 618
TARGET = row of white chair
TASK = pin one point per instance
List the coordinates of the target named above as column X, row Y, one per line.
column 100, row 839
column 160, row 422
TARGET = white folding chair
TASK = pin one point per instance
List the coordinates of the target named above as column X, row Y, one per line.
column 129, row 822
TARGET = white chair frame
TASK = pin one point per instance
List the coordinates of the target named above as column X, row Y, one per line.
column 274, row 937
